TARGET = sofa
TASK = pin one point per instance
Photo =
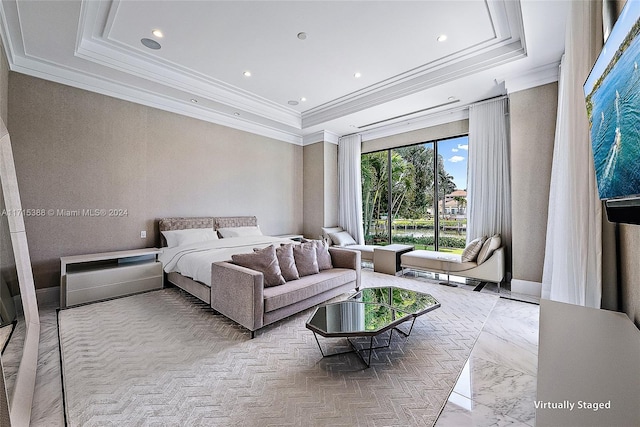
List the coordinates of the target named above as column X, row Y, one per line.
column 240, row 294
column 483, row 259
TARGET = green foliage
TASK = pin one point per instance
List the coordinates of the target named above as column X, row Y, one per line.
column 445, row 241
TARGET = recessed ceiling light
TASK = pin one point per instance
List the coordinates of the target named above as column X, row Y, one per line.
column 303, row 99
column 357, row 75
column 236, row 114
column 292, row 102
column 302, row 36
column 451, row 98
column 151, row 44
column 195, row 101
column 157, row 33
column 442, row 37
column 247, row 73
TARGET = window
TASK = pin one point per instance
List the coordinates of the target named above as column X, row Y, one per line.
column 417, row 195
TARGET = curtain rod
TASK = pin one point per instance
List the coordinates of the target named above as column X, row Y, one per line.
column 449, row 110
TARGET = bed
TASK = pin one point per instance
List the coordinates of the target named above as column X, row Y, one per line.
column 188, row 263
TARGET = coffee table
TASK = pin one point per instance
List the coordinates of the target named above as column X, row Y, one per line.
column 369, row 313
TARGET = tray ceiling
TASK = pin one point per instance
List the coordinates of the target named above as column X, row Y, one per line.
column 300, row 85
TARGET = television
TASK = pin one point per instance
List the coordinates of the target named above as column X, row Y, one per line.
column 612, row 96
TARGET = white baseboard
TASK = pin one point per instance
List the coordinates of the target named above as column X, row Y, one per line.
column 45, row 296
column 526, row 287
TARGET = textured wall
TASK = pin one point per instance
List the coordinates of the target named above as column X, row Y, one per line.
column 320, row 187
column 533, row 123
column 630, row 271
column 313, row 189
column 330, row 184
column 77, row 150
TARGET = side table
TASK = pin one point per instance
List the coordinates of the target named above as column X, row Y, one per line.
column 386, row 259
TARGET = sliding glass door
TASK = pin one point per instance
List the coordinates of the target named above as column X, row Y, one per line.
column 416, row 195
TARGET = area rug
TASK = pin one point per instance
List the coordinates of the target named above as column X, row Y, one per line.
column 165, row 358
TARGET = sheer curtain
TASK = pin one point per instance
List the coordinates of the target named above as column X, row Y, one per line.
column 573, row 259
column 489, row 176
column 350, row 186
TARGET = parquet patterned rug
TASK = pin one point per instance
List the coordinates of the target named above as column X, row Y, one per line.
column 164, row 358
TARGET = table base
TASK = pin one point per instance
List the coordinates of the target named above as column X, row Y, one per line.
column 371, row 347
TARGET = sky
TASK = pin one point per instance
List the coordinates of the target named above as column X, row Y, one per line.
column 629, row 16
column 455, row 153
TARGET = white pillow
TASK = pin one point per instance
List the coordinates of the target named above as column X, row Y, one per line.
column 342, row 238
column 490, row 245
column 185, row 237
column 328, row 230
column 472, row 250
column 240, row 231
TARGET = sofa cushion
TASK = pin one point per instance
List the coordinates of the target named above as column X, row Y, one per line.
column 492, row 243
column 472, row 250
column 306, row 259
column 287, row 262
column 306, row 287
column 264, row 261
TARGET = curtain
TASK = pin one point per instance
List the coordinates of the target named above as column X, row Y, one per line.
column 573, row 259
column 489, row 176
column 350, row 186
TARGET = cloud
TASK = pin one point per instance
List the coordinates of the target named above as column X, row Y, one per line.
column 456, row 159
column 455, row 150
column 463, row 146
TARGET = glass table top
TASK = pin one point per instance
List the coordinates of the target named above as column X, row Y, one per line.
column 355, row 318
column 412, row 302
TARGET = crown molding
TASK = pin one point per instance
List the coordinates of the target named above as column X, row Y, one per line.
column 417, row 122
column 94, row 44
column 507, row 45
column 320, row 136
column 537, row 77
column 78, row 79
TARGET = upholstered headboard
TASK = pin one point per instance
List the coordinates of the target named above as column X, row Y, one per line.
column 234, row 221
column 184, row 223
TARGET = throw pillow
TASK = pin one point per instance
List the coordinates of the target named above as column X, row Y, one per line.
column 186, row 237
column 287, row 262
column 472, row 250
column 328, row 230
column 492, row 243
column 264, row 261
column 239, row 231
column 306, row 259
column 342, row 238
column 322, row 252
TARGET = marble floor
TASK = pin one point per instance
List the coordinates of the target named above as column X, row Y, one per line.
column 496, row 388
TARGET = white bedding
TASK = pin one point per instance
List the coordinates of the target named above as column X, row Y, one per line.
column 194, row 260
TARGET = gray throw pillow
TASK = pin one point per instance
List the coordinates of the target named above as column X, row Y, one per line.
column 287, row 262
column 322, row 252
column 264, row 261
column 306, row 259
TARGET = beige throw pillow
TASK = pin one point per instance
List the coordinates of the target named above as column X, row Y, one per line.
column 492, row 243
column 264, row 261
column 306, row 259
column 287, row 262
column 323, row 255
column 472, row 250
